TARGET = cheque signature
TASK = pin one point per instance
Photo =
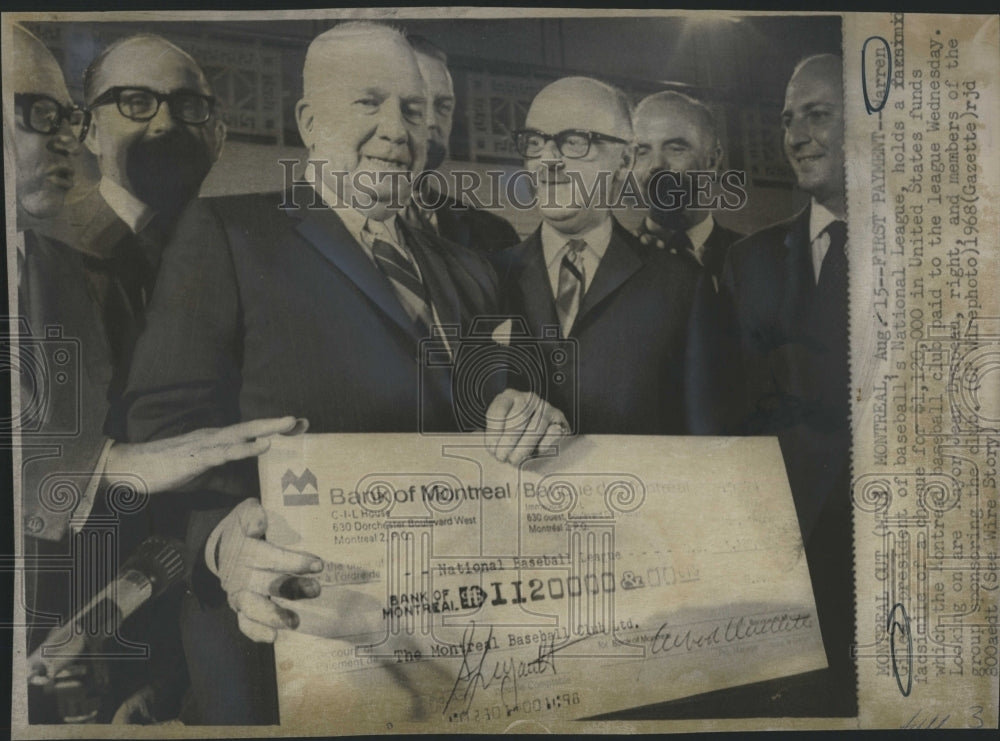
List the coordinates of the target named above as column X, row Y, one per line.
column 481, row 671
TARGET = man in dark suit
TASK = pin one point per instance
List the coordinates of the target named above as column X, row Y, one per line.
column 624, row 305
column 678, row 134
column 784, row 306
column 432, row 209
column 317, row 309
column 68, row 459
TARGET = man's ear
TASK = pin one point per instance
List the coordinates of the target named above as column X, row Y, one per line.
column 715, row 159
column 219, row 134
column 304, row 118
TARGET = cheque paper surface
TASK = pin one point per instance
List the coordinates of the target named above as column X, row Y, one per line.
column 611, row 575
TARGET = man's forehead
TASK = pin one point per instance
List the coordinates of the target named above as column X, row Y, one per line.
column 586, row 107
column 434, row 71
column 814, row 84
column 150, row 64
column 45, row 80
column 370, row 62
column 665, row 119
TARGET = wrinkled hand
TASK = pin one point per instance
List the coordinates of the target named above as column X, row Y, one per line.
column 518, row 423
column 167, row 464
column 252, row 571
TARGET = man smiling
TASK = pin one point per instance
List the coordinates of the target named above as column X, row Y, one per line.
column 784, row 296
column 625, row 305
column 317, row 309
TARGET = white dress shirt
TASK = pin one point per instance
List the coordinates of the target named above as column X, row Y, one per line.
column 555, row 246
column 129, row 209
column 820, row 218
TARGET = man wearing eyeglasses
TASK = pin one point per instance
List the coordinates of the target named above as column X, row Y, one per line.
column 66, row 292
column 582, row 275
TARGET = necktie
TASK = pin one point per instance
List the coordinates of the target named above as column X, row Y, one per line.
column 832, row 319
column 417, row 217
column 680, row 244
column 402, row 274
column 571, row 284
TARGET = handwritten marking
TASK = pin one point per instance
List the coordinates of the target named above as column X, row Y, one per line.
column 904, row 629
column 864, row 75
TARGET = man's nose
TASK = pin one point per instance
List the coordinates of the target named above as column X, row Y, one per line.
column 163, row 120
column 65, row 140
column 391, row 125
column 797, row 131
column 551, row 155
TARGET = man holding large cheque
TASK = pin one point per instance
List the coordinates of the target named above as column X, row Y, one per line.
column 315, row 308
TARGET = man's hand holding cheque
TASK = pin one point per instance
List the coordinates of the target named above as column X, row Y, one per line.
column 252, row 571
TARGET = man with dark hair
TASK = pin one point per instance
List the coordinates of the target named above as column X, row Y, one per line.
column 431, row 209
column 784, row 305
column 623, row 304
column 677, row 134
column 318, row 309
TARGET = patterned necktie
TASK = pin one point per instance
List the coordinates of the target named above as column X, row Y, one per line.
column 571, row 284
column 402, row 274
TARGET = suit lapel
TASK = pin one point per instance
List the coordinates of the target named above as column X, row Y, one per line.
column 620, row 261
column 799, row 281
column 324, row 230
column 533, row 282
column 715, row 250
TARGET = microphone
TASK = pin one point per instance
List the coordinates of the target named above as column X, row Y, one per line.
column 155, row 566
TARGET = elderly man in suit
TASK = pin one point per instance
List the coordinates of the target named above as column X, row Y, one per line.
column 432, row 210
column 785, row 373
column 317, row 309
column 677, row 134
column 624, row 305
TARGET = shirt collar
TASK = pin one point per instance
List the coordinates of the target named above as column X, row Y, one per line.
column 699, row 233
column 355, row 222
column 597, row 240
column 820, row 217
column 126, row 206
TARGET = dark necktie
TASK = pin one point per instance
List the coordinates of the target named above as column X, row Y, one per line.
column 832, row 318
column 680, row 244
column 571, row 284
column 417, row 217
column 405, row 280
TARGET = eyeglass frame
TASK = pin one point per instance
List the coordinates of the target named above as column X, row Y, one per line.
column 591, row 137
column 112, row 95
column 25, row 101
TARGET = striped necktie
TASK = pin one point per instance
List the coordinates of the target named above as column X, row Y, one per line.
column 571, row 284
column 397, row 266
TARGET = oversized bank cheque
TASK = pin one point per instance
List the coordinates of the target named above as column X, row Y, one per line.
column 463, row 593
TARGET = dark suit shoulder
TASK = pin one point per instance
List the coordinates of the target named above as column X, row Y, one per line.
column 767, row 242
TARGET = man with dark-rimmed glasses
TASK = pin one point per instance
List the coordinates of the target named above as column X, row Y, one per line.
column 80, row 304
column 584, row 277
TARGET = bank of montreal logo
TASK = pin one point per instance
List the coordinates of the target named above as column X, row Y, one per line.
column 304, row 488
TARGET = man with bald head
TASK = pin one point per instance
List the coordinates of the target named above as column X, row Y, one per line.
column 784, row 300
column 61, row 288
column 316, row 304
column 583, row 277
column 678, row 134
